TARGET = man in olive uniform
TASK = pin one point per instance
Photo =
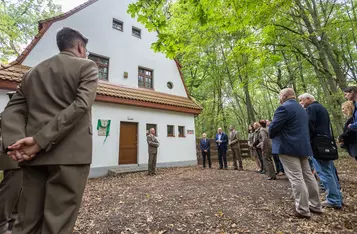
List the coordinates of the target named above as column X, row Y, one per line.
column 153, row 144
column 52, row 108
column 235, row 148
column 10, row 188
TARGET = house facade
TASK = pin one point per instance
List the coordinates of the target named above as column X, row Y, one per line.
column 138, row 88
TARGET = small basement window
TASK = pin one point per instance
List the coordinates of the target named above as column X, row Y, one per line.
column 149, row 126
column 118, row 25
column 170, row 131
column 136, row 32
column 181, row 130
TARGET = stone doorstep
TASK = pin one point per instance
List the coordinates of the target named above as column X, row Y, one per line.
column 126, row 170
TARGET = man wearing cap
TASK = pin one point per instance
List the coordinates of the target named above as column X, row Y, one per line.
column 52, row 109
column 10, row 188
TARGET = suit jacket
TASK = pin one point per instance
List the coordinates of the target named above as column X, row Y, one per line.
column 290, row 130
column 348, row 136
column 223, row 144
column 319, row 120
column 265, row 143
column 153, row 144
column 53, row 104
column 234, row 140
column 205, row 145
column 6, row 163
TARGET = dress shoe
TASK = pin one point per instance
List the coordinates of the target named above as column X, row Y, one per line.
column 271, row 178
column 315, row 211
column 262, row 172
column 295, row 214
column 236, row 168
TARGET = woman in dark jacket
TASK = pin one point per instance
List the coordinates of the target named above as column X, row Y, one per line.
column 348, row 138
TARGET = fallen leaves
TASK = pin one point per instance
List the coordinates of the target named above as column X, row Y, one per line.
column 192, row 200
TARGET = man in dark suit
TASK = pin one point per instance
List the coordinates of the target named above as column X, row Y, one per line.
column 319, row 124
column 205, row 149
column 290, row 132
column 47, row 126
column 221, row 141
column 10, row 188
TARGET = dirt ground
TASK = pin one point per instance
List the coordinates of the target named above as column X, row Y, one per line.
column 195, row 200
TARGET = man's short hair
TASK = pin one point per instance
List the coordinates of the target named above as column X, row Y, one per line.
column 67, row 37
column 350, row 89
column 231, row 127
column 306, row 95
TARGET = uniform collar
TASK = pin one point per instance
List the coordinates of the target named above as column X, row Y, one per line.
column 69, row 53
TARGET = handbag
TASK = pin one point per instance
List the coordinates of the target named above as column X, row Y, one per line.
column 324, row 147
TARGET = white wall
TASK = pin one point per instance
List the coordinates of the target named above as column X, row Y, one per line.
column 125, row 51
column 4, row 99
column 172, row 149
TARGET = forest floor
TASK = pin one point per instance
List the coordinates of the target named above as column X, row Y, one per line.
column 196, row 200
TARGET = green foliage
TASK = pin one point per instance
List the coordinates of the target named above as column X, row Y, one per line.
column 19, row 24
column 237, row 55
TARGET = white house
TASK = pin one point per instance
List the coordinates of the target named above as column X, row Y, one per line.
column 139, row 89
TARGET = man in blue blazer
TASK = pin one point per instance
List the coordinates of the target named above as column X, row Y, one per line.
column 205, row 149
column 290, row 133
column 221, row 141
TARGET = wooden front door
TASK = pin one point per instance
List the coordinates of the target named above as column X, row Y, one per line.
column 128, row 143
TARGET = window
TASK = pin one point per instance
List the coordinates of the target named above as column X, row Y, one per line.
column 149, row 126
column 103, row 65
column 170, row 85
column 181, row 130
column 145, row 78
column 117, row 24
column 136, row 32
column 170, row 131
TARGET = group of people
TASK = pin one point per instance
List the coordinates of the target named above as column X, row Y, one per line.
column 303, row 144
column 300, row 142
column 222, row 142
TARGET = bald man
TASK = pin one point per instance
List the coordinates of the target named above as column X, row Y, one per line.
column 290, row 133
column 153, row 144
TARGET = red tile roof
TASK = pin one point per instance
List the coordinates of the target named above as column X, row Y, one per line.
column 106, row 92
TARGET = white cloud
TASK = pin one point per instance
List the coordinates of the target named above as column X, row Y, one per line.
column 69, row 4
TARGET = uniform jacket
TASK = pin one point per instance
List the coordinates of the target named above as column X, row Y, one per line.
column 234, row 139
column 53, row 104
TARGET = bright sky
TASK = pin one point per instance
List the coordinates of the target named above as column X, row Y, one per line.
column 69, row 4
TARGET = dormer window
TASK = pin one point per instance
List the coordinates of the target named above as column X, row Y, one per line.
column 136, row 32
column 118, row 25
column 103, row 65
